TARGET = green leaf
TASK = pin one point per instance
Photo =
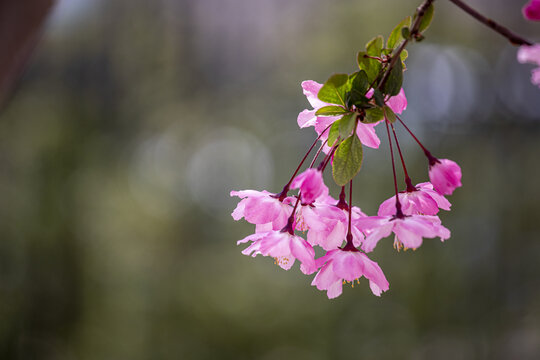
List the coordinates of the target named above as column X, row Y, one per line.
column 346, row 125
column 359, row 82
column 334, row 89
column 395, row 80
column 426, row 20
column 373, row 115
column 405, row 32
column 372, row 67
column 347, row 160
column 404, row 55
column 375, row 46
column 333, row 134
column 395, row 36
column 379, row 97
column 360, row 101
column 331, row 110
column 389, row 114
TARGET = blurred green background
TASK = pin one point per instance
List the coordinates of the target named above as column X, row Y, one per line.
column 136, row 118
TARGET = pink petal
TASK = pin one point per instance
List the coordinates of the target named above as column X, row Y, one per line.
column 301, row 250
column 306, row 118
column 366, row 134
column 348, row 266
column 311, row 90
column 325, row 277
column 398, row 103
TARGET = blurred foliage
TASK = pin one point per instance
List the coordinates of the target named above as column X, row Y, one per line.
column 135, row 120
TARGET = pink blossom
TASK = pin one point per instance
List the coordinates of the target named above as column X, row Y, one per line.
column 284, row 247
column 408, row 230
column 445, row 175
column 327, row 223
column 531, row 55
column 423, row 200
column 262, row 209
column 311, row 185
column 531, row 10
column 339, row 266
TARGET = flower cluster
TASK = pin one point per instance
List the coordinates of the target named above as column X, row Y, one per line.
column 288, row 228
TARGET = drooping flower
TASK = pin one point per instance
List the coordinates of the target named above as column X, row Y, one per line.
column 311, row 185
column 531, row 10
column 445, row 175
column 327, row 223
column 339, row 266
column 531, row 55
column 261, row 208
column 284, row 247
column 408, row 230
column 424, row 200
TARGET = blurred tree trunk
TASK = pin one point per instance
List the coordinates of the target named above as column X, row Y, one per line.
column 21, row 22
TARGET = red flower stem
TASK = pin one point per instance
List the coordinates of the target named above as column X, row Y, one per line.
column 322, row 165
column 432, row 159
column 349, row 233
column 283, row 194
column 408, row 182
column 513, row 38
column 399, row 214
column 317, row 154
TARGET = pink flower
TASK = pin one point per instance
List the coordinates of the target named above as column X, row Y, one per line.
column 262, row 209
column 408, row 230
column 339, row 266
column 531, row 55
column 424, row 200
column 311, row 185
column 531, row 11
column 445, row 175
column 284, row 247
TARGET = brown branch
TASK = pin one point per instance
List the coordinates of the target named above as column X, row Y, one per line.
column 512, row 37
column 420, row 12
column 21, row 23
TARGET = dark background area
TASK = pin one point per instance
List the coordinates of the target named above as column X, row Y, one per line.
column 134, row 120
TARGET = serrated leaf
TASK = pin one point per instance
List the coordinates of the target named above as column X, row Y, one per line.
column 426, row 20
column 372, row 67
column 395, row 36
column 346, row 125
column 347, row 160
column 331, row 110
column 389, row 114
column 333, row 134
column 375, row 46
column 395, row 80
column 373, row 115
column 334, row 89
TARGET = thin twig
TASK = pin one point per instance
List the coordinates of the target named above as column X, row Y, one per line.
column 512, row 37
column 420, row 12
